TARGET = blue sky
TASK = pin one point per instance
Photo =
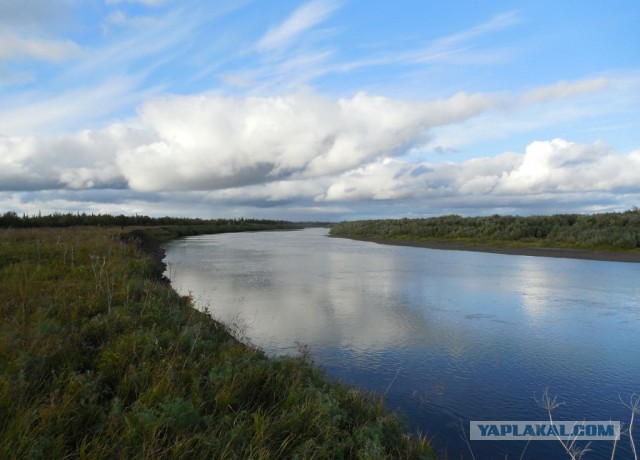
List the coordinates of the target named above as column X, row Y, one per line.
column 325, row 109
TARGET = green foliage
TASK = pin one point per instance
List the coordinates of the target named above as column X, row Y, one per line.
column 11, row 219
column 100, row 358
column 597, row 231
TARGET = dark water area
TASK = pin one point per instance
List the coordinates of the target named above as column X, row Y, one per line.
column 447, row 336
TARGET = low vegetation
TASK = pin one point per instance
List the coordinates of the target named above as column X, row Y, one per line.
column 100, row 358
column 606, row 231
column 12, row 219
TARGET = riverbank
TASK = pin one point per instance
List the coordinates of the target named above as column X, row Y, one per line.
column 611, row 236
column 565, row 253
column 100, row 357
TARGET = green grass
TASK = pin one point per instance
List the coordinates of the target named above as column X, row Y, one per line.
column 100, row 358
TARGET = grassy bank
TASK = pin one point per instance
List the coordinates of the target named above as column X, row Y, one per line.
column 99, row 358
column 596, row 232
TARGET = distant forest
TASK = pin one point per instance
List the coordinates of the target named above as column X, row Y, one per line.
column 14, row 220
column 616, row 230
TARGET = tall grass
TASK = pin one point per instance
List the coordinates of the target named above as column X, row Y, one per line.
column 99, row 358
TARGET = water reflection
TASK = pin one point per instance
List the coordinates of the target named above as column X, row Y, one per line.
column 461, row 335
column 282, row 295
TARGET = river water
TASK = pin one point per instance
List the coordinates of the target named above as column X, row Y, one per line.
column 447, row 336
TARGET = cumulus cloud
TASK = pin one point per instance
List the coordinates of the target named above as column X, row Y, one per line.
column 79, row 161
column 561, row 166
column 392, row 179
column 212, row 142
column 306, row 150
column 302, row 19
column 546, row 167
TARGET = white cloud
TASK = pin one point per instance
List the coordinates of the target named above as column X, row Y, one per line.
column 305, row 150
column 212, row 142
column 561, row 166
column 79, row 161
column 563, row 89
column 45, row 50
column 277, row 192
column 545, row 168
column 302, row 19
column 209, row 142
column 546, row 175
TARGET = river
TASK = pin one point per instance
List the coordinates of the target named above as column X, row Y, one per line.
column 447, row 336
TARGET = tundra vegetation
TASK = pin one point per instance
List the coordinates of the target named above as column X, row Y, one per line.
column 606, row 231
column 100, row 358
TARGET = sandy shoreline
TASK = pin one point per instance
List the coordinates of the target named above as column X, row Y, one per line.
column 565, row 253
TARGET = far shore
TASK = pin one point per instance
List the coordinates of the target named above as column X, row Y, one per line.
column 565, row 253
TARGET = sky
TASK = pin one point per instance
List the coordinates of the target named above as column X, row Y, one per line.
column 321, row 109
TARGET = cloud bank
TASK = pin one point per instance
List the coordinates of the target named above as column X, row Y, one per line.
column 546, row 167
column 211, row 142
column 309, row 150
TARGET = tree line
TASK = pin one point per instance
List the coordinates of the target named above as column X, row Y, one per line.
column 14, row 220
column 620, row 230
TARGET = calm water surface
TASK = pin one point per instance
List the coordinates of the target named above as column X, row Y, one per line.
column 450, row 336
